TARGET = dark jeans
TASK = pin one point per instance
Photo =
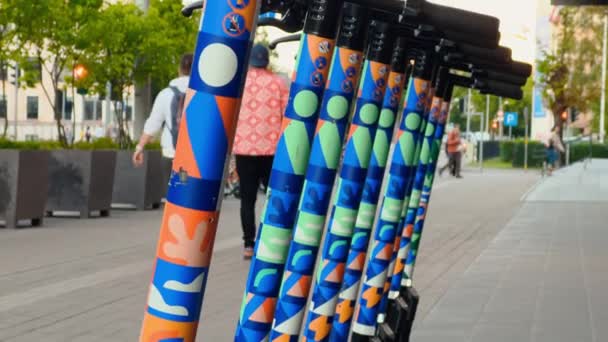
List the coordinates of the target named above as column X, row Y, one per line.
column 253, row 171
column 454, row 163
column 167, row 165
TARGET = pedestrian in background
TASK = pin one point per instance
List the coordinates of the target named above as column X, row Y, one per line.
column 166, row 115
column 455, row 148
column 555, row 148
column 87, row 134
column 257, row 134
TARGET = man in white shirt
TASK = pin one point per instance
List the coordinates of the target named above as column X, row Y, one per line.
column 162, row 118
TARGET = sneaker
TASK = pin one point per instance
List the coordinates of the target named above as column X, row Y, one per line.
column 248, row 253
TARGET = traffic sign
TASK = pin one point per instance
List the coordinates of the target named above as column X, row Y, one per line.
column 511, row 119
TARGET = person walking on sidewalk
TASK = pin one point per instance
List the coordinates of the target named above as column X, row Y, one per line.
column 257, row 134
column 555, row 148
column 454, row 149
column 166, row 114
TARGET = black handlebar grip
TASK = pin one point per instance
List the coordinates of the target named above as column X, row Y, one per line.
column 286, row 39
column 354, row 25
column 504, row 77
column 499, row 89
column 321, row 18
column 471, row 39
column 514, row 68
column 461, row 81
column 449, row 18
column 392, row 6
column 501, row 54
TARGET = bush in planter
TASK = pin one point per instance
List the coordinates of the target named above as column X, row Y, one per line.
column 82, row 178
column 536, row 154
column 140, row 187
column 23, row 192
column 507, row 148
column 580, row 151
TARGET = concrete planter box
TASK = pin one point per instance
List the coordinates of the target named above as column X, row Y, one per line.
column 140, row 187
column 23, row 186
column 81, row 181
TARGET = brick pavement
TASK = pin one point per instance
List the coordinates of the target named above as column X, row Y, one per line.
column 543, row 278
column 86, row 280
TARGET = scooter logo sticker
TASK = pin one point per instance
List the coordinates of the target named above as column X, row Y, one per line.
column 324, row 47
column 383, row 71
column 317, row 79
column 234, row 24
column 351, row 72
column 239, row 4
column 347, row 86
column 321, row 63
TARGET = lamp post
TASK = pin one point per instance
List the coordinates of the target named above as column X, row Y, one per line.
column 603, row 101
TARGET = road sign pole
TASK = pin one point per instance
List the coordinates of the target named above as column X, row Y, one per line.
column 469, row 108
column 526, row 138
column 604, row 62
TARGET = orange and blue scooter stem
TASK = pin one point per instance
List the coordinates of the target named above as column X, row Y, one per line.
column 381, row 248
column 371, row 193
column 321, row 174
column 195, row 189
column 288, row 171
column 356, row 161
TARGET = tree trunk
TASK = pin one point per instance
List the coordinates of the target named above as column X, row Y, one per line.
column 5, row 129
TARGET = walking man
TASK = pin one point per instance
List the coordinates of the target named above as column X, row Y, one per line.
column 166, row 113
column 454, row 149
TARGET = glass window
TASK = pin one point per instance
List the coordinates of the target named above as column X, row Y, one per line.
column 129, row 113
column 89, row 110
column 3, row 107
column 98, row 110
column 3, row 72
column 69, row 107
column 32, row 107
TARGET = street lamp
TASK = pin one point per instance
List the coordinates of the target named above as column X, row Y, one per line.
column 80, row 72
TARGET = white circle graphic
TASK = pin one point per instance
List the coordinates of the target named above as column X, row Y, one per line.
column 218, row 65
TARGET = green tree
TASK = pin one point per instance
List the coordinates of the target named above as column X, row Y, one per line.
column 131, row 47
column 478, row 104
column 570, row 73
column 51, row 32
column 6, row 37
column 118, row 40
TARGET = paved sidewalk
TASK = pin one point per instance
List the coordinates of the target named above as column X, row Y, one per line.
column 543, row 278
column 86, row 280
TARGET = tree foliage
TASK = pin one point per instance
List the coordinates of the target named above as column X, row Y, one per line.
column 49, row 33
column 117, row 43
column 478, row 105
column 571, row 71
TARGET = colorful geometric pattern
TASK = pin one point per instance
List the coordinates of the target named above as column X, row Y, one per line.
column 426, row 180
column 351, row 182
column 414, row 118
column 191, row 214
column 259, row 125
column 316, row 194
column 285, row 188
column 367, row 209
column 412, row 195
